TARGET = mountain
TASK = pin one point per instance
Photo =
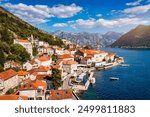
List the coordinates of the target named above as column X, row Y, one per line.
column 86, row 38
column 12, row 27
column 138, row 37
column 21, row 29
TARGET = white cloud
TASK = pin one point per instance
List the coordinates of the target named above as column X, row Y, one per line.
column 60, row 25
column 99, row 15
column 134, row 3
column 91, row 23
column 137, row 9
column 62, row 11
column 40, row 13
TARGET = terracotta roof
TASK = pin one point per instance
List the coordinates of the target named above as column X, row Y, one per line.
column 111, row 54
column 69, row 62
column 60, row 94
column 42, row 69
column 58, row 48
column 90, row 51
column 31, row 85
column 13, row 97
column 22, row 73
column 56, row 66
column 7, row 74
column 65, row 56
column 44, row 58
column 42, row 77
column 59, row 61
column 23, row 41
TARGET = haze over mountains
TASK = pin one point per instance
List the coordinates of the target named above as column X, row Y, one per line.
column 136, row 38
column 86, row 38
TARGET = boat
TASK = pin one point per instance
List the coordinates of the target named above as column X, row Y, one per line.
column 92, row 80
column 113, row 78
column 125, row 65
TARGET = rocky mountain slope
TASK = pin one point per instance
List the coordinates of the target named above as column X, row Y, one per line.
column 137, row 38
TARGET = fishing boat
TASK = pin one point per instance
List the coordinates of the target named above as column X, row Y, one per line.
column 113, row 78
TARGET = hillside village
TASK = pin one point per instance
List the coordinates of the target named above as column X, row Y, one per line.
column 51, row 74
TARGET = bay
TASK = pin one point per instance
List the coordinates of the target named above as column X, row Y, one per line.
column 134, row 80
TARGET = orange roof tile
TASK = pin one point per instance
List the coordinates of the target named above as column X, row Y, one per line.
column 42, row 69
column 60, row 94
column 33, row 85
column 13, row 97
column 7, row 74
column 65, row 56
column 58, row 48
column 23, row 41
column 44, row 58
column 56, row 66
column 69, row 62
column 22, row 73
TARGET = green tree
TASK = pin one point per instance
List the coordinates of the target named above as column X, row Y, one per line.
column 56, row 78
column 54, row 57
column 2, row 58
column 20, row 52
column 35, row 51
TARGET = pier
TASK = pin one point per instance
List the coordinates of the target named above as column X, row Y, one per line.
column 84, row 87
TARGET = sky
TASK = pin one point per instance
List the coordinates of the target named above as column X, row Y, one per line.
column 81, row 15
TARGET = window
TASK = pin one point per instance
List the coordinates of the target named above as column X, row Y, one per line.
column 30, row 98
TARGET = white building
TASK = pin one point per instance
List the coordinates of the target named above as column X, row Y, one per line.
column 8, row 79
column 30, row 65
column 44, row 60
column 59, row 51
column 69, row 66
column 33, row 89
column 27, row 45
column 11, row 64
column 46, row 50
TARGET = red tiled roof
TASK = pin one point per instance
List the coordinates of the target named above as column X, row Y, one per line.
column 30, row 85
column 56, row 66
column 13, row 97
column 65, row 56
column 69, row 62
column 23, row 41
column 22, row 73
column 44, row 58
column 7, row 74
column 41, row 77
column 60, row 94
column 43, row 69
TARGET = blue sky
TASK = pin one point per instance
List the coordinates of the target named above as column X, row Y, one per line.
column 81, row 15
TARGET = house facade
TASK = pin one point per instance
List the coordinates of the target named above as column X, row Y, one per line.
column 8, row 79
column 33, row 89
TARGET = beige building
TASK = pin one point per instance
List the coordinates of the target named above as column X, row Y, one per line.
column 8, row 79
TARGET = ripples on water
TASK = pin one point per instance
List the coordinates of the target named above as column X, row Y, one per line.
column 134, row 80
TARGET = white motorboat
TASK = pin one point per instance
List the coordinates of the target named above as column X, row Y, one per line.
column 113, row 78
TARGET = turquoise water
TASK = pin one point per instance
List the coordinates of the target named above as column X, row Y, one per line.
column 134, row 80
